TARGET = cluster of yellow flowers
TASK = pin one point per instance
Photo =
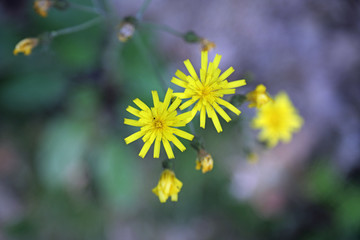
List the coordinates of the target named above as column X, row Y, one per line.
column 205, row 92
column 159, row 123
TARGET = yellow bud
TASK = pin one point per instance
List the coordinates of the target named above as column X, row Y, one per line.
column 258, row 97
column 168, row 186
column 207, row 45
column 42, row 7
column 204, row 161
column 26, row 45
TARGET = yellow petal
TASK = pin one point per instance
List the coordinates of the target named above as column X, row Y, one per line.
column 183, row 134
column 133, row 111
column 204, row 60
column 147, row 146
column 168, row 149
column 202, row 117
column 179, row 82
column 221, row 111
column 190, row 68
column 167, row 99
column 134, row 137
column 157, row 147
column 133, row 122
column 155, row 97
column 229, row 106
column 141, row 104
column 237, row 83
column 227, row 73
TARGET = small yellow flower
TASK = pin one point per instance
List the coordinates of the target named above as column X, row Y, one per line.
column 204, row 161
column 158, row 124
column 168, row 186
column 42, row 7
column 258, row 97
column 26, row 45
column 207, row 45
column 277, row 120
column 207, row 92
column 126, row 31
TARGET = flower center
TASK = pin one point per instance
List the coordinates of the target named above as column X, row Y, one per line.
column 158, row 124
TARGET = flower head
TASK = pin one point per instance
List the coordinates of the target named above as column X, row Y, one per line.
column 157, row 124
column 207, row 92
column 168, row 186
column 42, row 7
column 26, row 45
column 204, row 161
column 258, row 97
column 277, row 120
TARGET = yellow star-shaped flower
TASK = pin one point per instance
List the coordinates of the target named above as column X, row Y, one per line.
column 207, row 92
column 158, row 124
column 277, row 120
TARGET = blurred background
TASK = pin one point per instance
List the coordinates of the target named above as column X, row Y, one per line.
column 66, row 173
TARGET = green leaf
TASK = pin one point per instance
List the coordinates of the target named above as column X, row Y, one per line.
column 323, row 183
column 62, row 151
column 118, row 175
column 32, row 91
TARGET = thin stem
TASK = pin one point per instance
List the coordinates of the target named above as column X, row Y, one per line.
column 76, row 28
column 147, row 55
column 98, row 5
column 162, row 27
column 83, row 8
column 142, row 9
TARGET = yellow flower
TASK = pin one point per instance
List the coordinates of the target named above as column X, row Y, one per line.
column 277, row 120
column 207, row 45
column 204, row 161
column 208, row 91
column 26, row 45
column 42, row 7
column 158, row 124
column 258, row 97
column 168, row 186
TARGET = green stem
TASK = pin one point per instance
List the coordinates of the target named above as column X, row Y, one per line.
column 148, row 57
column 76, row 28
column 141, row 11
column 162, row 27
column 85, row 8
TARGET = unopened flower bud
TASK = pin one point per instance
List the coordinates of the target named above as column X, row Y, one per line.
column 26, row 46
column 168, row 186
column 207, row 45
column 126, row 31
column 204, row 161
column 42, row 7
column 258, row 97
